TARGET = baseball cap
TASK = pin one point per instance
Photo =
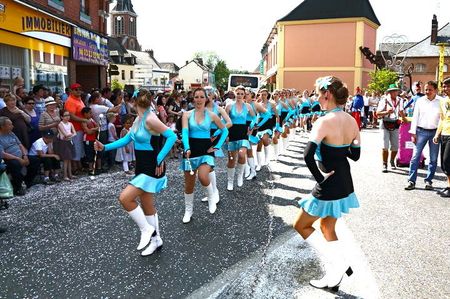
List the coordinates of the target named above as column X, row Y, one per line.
column 75, row 86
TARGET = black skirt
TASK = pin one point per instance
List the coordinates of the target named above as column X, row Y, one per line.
column 270, row 124
column 283, row 116
column 199, row 147
column 238, row 132
column 146, row 163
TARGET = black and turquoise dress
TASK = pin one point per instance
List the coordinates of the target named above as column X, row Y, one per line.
column 335, row 195
column 197, row 139
column 238, row 135
column 149, row 155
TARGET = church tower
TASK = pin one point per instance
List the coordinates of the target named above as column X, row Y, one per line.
column 123, row 25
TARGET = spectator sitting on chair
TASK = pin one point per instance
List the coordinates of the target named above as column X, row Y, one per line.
column 13, row 153
column 41, row 152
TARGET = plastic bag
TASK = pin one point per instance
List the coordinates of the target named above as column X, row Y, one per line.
column 6, row 189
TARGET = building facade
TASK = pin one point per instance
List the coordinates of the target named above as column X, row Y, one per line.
column 53, row 43
column 195, row 74
column 319, row 38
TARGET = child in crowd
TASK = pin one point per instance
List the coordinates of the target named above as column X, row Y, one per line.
column 65, row 149
column 112, row 136
column 184, row 106
column 90, row 129
column 171, row 124
column 41, row 152
column 126, row 153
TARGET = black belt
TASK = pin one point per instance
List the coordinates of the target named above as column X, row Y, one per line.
column 429, row 130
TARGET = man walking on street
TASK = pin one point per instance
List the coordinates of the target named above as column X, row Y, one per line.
column 424, row 124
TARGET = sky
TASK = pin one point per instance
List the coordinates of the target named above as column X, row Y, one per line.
column 237, row 29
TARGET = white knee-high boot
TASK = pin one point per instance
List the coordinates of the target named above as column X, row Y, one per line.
column 156, row 241
column 230, row 177
column 146, row 229
column 212, row 179
column 266, row 155
column 251, row 162
column 275, row 151
column 285, row 143
column 188, row 207
column 211, row 198
column 260, row 156
column 246, row 169
column 335, row 265
column 240, row 174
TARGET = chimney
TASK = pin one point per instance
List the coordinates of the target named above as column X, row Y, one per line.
column 187, row 61
column 150, row 52
column 434, row 30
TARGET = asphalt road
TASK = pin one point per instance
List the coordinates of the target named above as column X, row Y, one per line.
column 73, row 240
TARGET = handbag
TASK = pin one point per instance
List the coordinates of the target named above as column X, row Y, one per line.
column 6, row 189
column 391, row 124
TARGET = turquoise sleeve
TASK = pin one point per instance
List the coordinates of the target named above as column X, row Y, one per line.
column 171, row 138
column 185, row 139
column 119, row 142
column 264, row 120
column 222, row 139
column 252, row 124
column 217, row 133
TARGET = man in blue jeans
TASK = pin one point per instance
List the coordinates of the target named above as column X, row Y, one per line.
column 424, row 124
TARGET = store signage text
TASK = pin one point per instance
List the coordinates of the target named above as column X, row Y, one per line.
column 35, row 23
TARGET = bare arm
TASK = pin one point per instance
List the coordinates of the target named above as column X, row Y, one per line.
column 226, row 117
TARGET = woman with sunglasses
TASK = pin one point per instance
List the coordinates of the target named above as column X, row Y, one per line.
column 238, row 143
column 199, row 151
column 150, row 177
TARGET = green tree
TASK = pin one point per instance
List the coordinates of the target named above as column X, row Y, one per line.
column 221, row 73
column 116, row 84
column 381, row 79
column 210, row 58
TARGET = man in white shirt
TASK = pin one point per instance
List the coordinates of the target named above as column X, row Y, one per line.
column 41, row 152
column 424, row 124
column 390, row 109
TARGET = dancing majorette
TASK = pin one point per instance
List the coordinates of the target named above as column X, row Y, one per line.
column 199, row 152
column 266, row 125
column 149, row 176
column 250, row 98
column 334, row 138
column 238, row 143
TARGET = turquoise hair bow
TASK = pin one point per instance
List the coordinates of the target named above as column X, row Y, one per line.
column 324, row 82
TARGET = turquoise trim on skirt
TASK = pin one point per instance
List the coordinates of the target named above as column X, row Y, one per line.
column 196, row 162
column 262, row 133
column 236, row 145
column 253, row 139
column 148, row 183
column 329, row 208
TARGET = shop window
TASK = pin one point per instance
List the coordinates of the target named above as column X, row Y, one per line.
column 123, row 75
column 420, row 67
column 58, row 4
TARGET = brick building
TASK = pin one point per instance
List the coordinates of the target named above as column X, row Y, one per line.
column 53, row 42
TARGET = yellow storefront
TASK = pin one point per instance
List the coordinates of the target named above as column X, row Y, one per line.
column 33, row 45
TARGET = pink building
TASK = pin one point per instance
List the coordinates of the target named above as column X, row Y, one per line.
column 318, row 38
